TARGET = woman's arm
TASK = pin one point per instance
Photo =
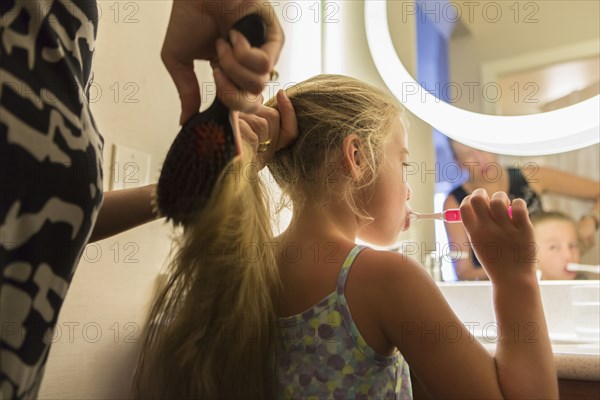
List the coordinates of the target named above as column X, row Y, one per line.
column 123, row 210
column 559, row 182
column 457, row 237
column 126, row 209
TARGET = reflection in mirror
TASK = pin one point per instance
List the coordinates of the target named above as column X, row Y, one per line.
column 515, row 58
column 565, row 182
column 558, row 245
column 518, row 57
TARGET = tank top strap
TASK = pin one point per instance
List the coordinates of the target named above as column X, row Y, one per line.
column 348, row 321
column 341, row 283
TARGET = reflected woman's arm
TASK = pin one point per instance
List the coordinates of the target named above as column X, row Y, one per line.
column 457, row 237
column 559, row 182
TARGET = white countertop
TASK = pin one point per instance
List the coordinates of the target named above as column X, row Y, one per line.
column 573, row 361
column 575, row 357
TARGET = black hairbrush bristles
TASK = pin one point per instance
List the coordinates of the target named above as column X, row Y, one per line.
column 202, row 149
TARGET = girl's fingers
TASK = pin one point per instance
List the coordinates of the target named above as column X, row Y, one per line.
column 289, row 122
column 501, row 197
column 520, row 215
column 481, row 193
column 480, row 202
column 499, row 208
column 467, row 214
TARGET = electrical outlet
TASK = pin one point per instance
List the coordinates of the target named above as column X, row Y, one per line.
column 130, row 168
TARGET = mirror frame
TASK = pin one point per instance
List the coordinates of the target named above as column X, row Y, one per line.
column 557, row 131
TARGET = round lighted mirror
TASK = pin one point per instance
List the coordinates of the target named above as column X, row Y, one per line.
column 550, row 132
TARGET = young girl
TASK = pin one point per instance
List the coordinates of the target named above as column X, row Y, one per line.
column 558, row 245
column 310, row 314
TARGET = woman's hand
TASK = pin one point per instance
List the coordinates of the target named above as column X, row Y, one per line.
column 586, row 230
column 506, row 247
column 280, row 127
column 196, row 31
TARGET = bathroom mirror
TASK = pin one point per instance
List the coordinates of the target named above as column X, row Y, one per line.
column 516, row 78
column 492, row 41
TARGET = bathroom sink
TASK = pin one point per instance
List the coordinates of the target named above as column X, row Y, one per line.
column 572, row 310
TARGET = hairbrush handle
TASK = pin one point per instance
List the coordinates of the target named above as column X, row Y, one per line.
column 254, row 29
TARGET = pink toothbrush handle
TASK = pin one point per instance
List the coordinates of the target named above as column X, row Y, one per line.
column 453, row 214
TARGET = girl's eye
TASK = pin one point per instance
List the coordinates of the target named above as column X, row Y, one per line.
column 405, row 164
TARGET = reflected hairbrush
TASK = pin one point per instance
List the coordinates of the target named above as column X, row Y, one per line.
column 203, row 148
column 450, row 215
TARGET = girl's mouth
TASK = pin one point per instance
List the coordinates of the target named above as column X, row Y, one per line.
column 566, row 269
column 406, row 223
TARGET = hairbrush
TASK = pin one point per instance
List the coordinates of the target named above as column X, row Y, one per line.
column 202, row 149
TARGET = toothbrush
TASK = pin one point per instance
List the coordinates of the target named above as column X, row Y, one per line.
column 450, row 215
column 573, row 267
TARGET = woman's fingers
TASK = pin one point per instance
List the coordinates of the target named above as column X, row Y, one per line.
column 254, row 59
column 232, row 96
column 187, row 86
column 275, row 35
column 268, row 124
column 248, row 134
column 258, row 124
column 231, row 62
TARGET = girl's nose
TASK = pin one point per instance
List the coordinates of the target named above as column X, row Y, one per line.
column 567, row 255
column 408, row 192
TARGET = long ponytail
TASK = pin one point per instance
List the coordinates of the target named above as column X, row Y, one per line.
column 211, row 332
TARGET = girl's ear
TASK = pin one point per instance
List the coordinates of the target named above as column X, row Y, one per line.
column 351, row 156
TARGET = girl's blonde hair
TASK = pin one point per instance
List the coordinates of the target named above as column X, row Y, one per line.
column 329, row 108
column 544, row 216
column 212, row 329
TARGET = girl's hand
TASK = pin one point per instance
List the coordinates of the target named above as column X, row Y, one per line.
column 281, row 127
column 506, row 247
